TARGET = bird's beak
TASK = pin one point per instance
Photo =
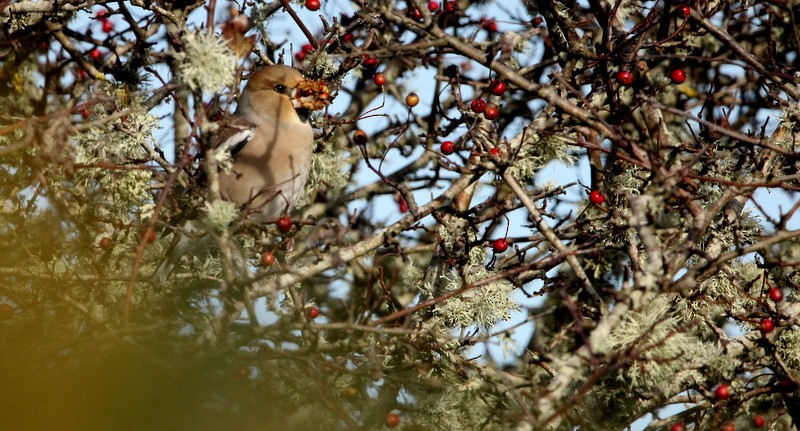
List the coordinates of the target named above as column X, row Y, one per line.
column 297, row 102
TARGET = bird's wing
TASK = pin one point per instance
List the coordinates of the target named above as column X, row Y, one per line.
column 234, row 134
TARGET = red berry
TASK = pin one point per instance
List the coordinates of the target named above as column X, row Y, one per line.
column 451, row 6
column 95, row 54
column 402, row 206
column 722, row 392
column 678, row 76
column 105, row 243
column 415, row 13
column 433, row 6
column 489, row 25
column 498, row 88
column 108, row 26
column 677, row 427
column 495, row 152
column 728, row 426
column 624, row 77
column 370, row 61
column 6, row 311
column 101, row 14
column 148, row 235
column 284, row 224
column 537, row 21
column 767, row 326
column 758, row 421
column 776, row 294
column 379, row 79
column 683, row 11
column 312, row 311
column 348, row 38
column 267, row 258
column 491, row 112
column 448, row 147
column 392, row 420
column 596, row 198
column 500, row 245
column 478, row 106
column 307, row 48
column 312, row 5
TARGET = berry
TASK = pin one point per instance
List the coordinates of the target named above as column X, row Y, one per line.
column 489, row 25
column 478, row 106
column 267, row 258
column 758, row 421
column 148, row 235
column 495, row 152
column 722, row 392
column 304, row 51
column 350, row 393
column 728, row 426
column 624, row 77
column 415, row 13
column 360, row 137
column 101, row 14
column 370, row 61
column 596, row 198
column 451, row 6
column 448, row 147
column 412, row 100
column 776, row 294
column 243, row 373
column 500, row 245
column 677, row 427
column 683, row 11
column 312, row 5
column 379, row 79
column 537, row 21
column 678, row 76
column 401, row 203
column 492, row 111
column 498, row 88
column 6, row 311
column 392, row 420
column 767, row 326
column 312, row 311
column 105, row 243
column 284, row 224
column 348, row 38
column 433, row 6
column 95, row 54
column 108, row 26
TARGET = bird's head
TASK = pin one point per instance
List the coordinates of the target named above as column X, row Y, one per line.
column 280, row 93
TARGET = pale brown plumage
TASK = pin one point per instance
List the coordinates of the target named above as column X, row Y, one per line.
column 270, row 170
column 270, row 140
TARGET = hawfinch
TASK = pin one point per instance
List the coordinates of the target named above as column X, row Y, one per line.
column 270, row 141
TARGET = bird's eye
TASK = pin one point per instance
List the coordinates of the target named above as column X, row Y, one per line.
column 280, row 88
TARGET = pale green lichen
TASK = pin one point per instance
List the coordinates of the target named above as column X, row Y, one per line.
column 481, row 306
column 119, row 143
column 207, row 63
column 788, row 347
column 220, row 214
column 535, row 152
column 651, row 338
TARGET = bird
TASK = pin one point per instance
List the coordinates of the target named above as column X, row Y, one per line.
column 270, row 140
